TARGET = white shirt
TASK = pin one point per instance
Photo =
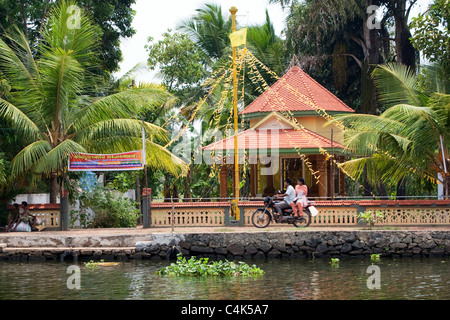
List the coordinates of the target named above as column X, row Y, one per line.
column 290, row 195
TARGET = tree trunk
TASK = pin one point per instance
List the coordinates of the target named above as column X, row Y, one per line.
column 406, row 54
column 187, row 185
column 367, row 186
column 138, row 196
column 368, row 90
column 53, row 188
column 170, row 190
column 382, row 191
column 370, row 45
column 401, row 189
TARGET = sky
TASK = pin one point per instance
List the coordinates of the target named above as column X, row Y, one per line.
column 154, row 17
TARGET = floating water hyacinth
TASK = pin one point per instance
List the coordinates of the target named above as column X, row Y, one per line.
column 202, row 267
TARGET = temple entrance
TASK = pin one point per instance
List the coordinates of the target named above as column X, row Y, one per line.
column 294, row 168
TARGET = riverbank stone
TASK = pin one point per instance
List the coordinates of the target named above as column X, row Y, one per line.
column 237, row 245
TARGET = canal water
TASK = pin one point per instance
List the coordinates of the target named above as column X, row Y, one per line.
column 402, row 279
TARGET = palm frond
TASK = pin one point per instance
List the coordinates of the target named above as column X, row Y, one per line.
column 26, row 159
column 121, row 132
column 124, row 104
column 78, row 36
column 56, row 159
column 355, row 167
column 397, row 84
column 160, row 158
column 62, row 78
column 20, row 120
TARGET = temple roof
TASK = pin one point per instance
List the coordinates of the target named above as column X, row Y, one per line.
column 276, row 139
column 296, row 91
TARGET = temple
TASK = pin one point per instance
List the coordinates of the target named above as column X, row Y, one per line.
column 288, row 138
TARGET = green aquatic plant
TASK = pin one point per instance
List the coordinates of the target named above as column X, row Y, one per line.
column 202, row 267
column 92, row 264
column 376, row 257
column 335, row 262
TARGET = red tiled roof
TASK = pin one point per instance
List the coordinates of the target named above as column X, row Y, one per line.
column 296, row 91
column 267, row 139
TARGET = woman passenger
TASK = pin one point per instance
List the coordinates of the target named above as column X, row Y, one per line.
column 301, row 191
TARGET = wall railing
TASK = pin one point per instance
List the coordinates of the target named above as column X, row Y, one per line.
column 331, row 213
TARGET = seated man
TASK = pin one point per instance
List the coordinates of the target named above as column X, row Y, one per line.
column 27, row 217
column 288, row 198
column 13, row 218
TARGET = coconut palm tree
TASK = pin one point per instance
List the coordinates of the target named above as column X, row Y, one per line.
column 410, row 139
column 209, row 28
column 57, row 104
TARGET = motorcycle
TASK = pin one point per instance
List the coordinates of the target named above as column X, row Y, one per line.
column 262, row 217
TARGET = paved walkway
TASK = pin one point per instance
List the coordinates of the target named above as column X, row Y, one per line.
column 181, row 230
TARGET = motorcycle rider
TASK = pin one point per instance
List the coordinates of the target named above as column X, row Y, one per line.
column 288, row 198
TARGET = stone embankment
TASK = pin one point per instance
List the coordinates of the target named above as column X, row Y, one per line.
column 231, row 245
column 304, row 244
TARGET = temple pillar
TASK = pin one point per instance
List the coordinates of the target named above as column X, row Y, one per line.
column 342, row 187
column 323, row 180
column 269, row 189
column 252, row 180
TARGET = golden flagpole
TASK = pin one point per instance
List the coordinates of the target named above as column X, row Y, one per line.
column 233, row 11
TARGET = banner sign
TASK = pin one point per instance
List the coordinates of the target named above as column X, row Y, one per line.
column 127, row 161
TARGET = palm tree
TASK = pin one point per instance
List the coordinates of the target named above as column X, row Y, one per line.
column 411, row 139
column 209, row 28
column 56, row 106
column 267, row 46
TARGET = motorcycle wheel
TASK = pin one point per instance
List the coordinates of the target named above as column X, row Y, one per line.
column 303, row 223
column 261, row 219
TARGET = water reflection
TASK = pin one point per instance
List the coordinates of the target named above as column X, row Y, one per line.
column 283, row 280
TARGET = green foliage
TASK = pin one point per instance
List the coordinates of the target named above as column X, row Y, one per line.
column 124, row 181
column 2, row 171
column 51, row 106
column 371, row 218
column 111, row 209
column 92, row 264
column 406, row 140
column 431, row 33
column 335, row 262
column 113, row 18
column 202, row 268
column 209, row 28
column 178, row 58
column 376, row 257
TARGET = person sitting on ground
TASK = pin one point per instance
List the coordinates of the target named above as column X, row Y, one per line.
column 13, row 218
column 288, row 199
column 27, row 217
column 301, row 191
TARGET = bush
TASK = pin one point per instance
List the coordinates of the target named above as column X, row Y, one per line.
column 111, row 209
column 370, row 218
column 201, row 267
